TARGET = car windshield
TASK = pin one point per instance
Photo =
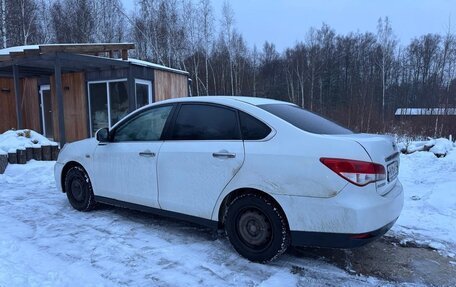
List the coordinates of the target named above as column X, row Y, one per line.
column 305, row 120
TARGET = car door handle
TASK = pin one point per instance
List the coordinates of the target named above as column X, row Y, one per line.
column 147, row 154
column 224, row 155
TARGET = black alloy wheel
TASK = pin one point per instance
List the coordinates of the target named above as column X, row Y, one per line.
column 78, row 189
column 256, row 228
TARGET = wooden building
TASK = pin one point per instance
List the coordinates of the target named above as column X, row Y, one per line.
column 68, row 91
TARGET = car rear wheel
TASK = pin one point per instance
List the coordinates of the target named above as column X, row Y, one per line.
column 78, row 189
column 256, row 228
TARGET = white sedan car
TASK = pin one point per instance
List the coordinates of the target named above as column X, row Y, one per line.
column 268, row 172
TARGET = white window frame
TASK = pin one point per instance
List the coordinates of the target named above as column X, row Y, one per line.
column 108, row 98
column 149, row 85
column 42, row 89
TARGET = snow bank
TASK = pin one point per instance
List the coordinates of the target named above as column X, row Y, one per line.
column 12, row 140
column 429, row 214
column 440, row 146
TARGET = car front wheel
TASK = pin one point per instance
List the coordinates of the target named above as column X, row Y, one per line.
column 256, row 228
column 78, row 189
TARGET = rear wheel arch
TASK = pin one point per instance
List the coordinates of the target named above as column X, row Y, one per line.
column 229, row 198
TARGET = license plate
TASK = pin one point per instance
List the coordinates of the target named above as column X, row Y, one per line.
column 393, row 170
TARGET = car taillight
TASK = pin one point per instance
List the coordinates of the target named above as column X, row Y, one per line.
column 357, row 172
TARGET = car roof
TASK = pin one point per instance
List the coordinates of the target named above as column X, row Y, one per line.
column 235, row 101
column 222, row 99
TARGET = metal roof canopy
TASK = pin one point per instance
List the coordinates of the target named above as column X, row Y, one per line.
column 425, row 112
column 44, row 64
column 87, row 49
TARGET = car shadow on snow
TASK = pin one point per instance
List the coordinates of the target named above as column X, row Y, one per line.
column 173, row 225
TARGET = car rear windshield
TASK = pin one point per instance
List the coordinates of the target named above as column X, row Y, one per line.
column 305, row 120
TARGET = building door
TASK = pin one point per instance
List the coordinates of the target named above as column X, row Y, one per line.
column 46, row 112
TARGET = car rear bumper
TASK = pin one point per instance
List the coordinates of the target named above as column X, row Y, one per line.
column 337, row 240
column 354, row 211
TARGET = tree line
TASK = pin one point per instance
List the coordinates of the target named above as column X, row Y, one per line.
column 358, row 79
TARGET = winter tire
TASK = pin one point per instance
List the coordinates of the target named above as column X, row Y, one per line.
column 79, row 189
column 256, row 228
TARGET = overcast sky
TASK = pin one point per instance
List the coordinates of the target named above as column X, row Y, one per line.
column 284, row 22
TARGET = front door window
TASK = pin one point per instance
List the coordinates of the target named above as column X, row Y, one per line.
column 147, row 126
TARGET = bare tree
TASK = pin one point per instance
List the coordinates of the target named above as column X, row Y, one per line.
column 20, row 22
column 108, row 26
column 45, row 30
column 73, row 21
column 193, row 41
column 207, row 27
column 387, row 44
column 145, row 32
column 159, row 32
column 3, row 11
column 254, row 69
column 227, row 26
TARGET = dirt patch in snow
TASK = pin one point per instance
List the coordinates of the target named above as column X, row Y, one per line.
column 387, row 259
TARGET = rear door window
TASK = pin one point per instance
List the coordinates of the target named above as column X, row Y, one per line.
column 305, row 120
column 205, row 122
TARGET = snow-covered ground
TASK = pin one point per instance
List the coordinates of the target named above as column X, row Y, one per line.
column 429, row 215
column 44, row 242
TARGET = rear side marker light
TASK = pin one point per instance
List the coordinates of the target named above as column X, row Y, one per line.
column 357, row 172
column 361, row 236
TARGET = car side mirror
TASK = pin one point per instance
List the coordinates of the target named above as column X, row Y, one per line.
column 102, row 135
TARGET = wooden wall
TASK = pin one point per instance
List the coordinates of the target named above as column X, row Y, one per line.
column 168, row 85
column 74, row 107
column 30, row 104
column 7, row 105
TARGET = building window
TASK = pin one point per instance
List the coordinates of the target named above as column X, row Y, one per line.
column 108, row 103
column 143, row 91
column 98, row 96
column 118, row 100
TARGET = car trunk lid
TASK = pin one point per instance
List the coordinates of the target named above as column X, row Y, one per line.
column 382, row 150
